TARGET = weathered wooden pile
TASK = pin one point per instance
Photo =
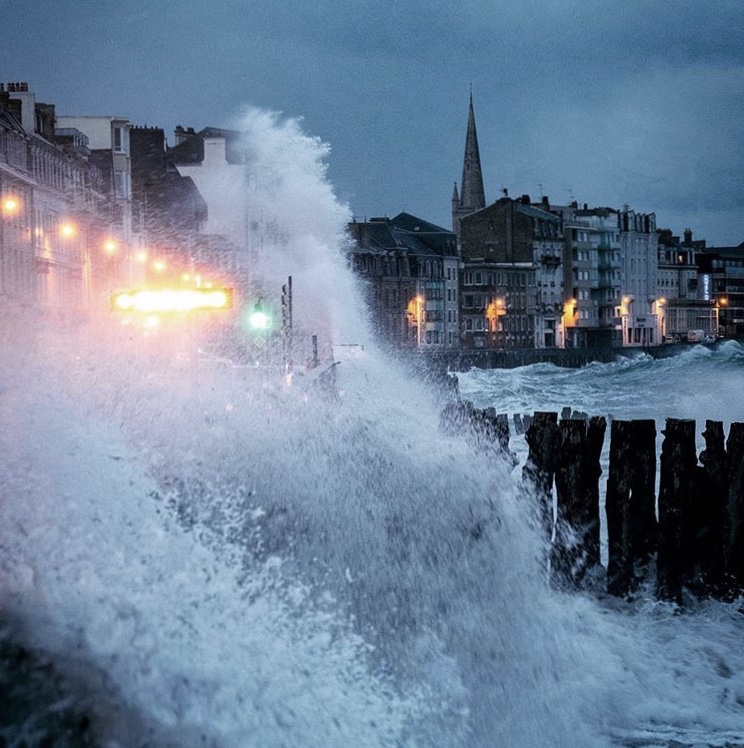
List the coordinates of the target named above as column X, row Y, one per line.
column 691, row 539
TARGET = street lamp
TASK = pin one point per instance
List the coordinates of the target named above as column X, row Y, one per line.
column 567, row 320
column 721, row 316
column 414, row 311
column 10, row 205
column 419, row 316
column 67, row 230
column 625, row 313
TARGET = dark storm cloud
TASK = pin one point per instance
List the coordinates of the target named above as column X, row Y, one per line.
column 637, row 102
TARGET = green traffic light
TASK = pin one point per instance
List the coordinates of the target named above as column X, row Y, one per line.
column 259, row 320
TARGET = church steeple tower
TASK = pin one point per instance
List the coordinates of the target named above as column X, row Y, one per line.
column 472, row 196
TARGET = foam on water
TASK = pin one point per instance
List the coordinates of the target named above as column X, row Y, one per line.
column 212, row 557
column 671, row 678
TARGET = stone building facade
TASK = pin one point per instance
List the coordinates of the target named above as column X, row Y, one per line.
column 408, row 269
column 55, row 211
column 511, row 277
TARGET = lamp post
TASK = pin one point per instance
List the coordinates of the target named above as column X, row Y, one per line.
column 721, row 316
column 625, row 312
column 419, row 316
column 414, row 312
column 567, row 318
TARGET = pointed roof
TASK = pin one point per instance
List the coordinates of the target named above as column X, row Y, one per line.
column 472, row 194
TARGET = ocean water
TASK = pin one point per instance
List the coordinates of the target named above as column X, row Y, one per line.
column 196, row 553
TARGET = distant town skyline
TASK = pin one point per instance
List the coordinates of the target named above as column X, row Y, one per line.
column 639, row 104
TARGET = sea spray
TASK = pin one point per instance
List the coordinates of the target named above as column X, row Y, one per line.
column 237, row 559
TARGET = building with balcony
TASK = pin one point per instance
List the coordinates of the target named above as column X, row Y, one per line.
column 592, row 274
column 54, row 210
column 639, row 310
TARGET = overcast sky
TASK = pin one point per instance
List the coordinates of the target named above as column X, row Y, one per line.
column 606, row 101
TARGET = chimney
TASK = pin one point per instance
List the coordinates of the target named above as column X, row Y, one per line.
column 180, row 134
column 688, row 236
column 525, row 200
column 27, row 101
column 545, row 202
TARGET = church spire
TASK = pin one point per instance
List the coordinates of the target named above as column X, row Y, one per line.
column 472, row 194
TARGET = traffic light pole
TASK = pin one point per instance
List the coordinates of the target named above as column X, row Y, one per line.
column 287, row 324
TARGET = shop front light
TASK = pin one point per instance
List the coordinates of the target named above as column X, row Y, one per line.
column 165, row 300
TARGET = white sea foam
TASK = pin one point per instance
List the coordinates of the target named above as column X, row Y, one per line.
column 222, row 559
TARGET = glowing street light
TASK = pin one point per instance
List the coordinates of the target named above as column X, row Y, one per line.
column 68, row 230
column 110, row 246
column 414, row 310
column 495, row 310
column 11, row 205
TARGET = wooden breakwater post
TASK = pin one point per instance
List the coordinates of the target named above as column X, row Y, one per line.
column 576, row 547
column 630, row 504
column 708, row 512
column 733, row 523
column 484, row 429
column 678, row 493
column 539, row 470
column 697, row 542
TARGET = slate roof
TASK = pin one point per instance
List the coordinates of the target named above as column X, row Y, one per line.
column 533, row 212
column 424, row 237
column 406, row 233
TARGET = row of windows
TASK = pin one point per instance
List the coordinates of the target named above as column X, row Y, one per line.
column 478, row 278
column 510, row 323
column 722, row 264
column 481, row 301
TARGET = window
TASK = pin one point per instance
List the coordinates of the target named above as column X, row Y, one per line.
column 121, row 141
column 120, row 184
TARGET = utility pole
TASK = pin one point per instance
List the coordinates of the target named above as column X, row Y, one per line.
column 287, row 324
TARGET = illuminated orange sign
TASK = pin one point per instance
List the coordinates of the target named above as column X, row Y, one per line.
column 164, row 300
